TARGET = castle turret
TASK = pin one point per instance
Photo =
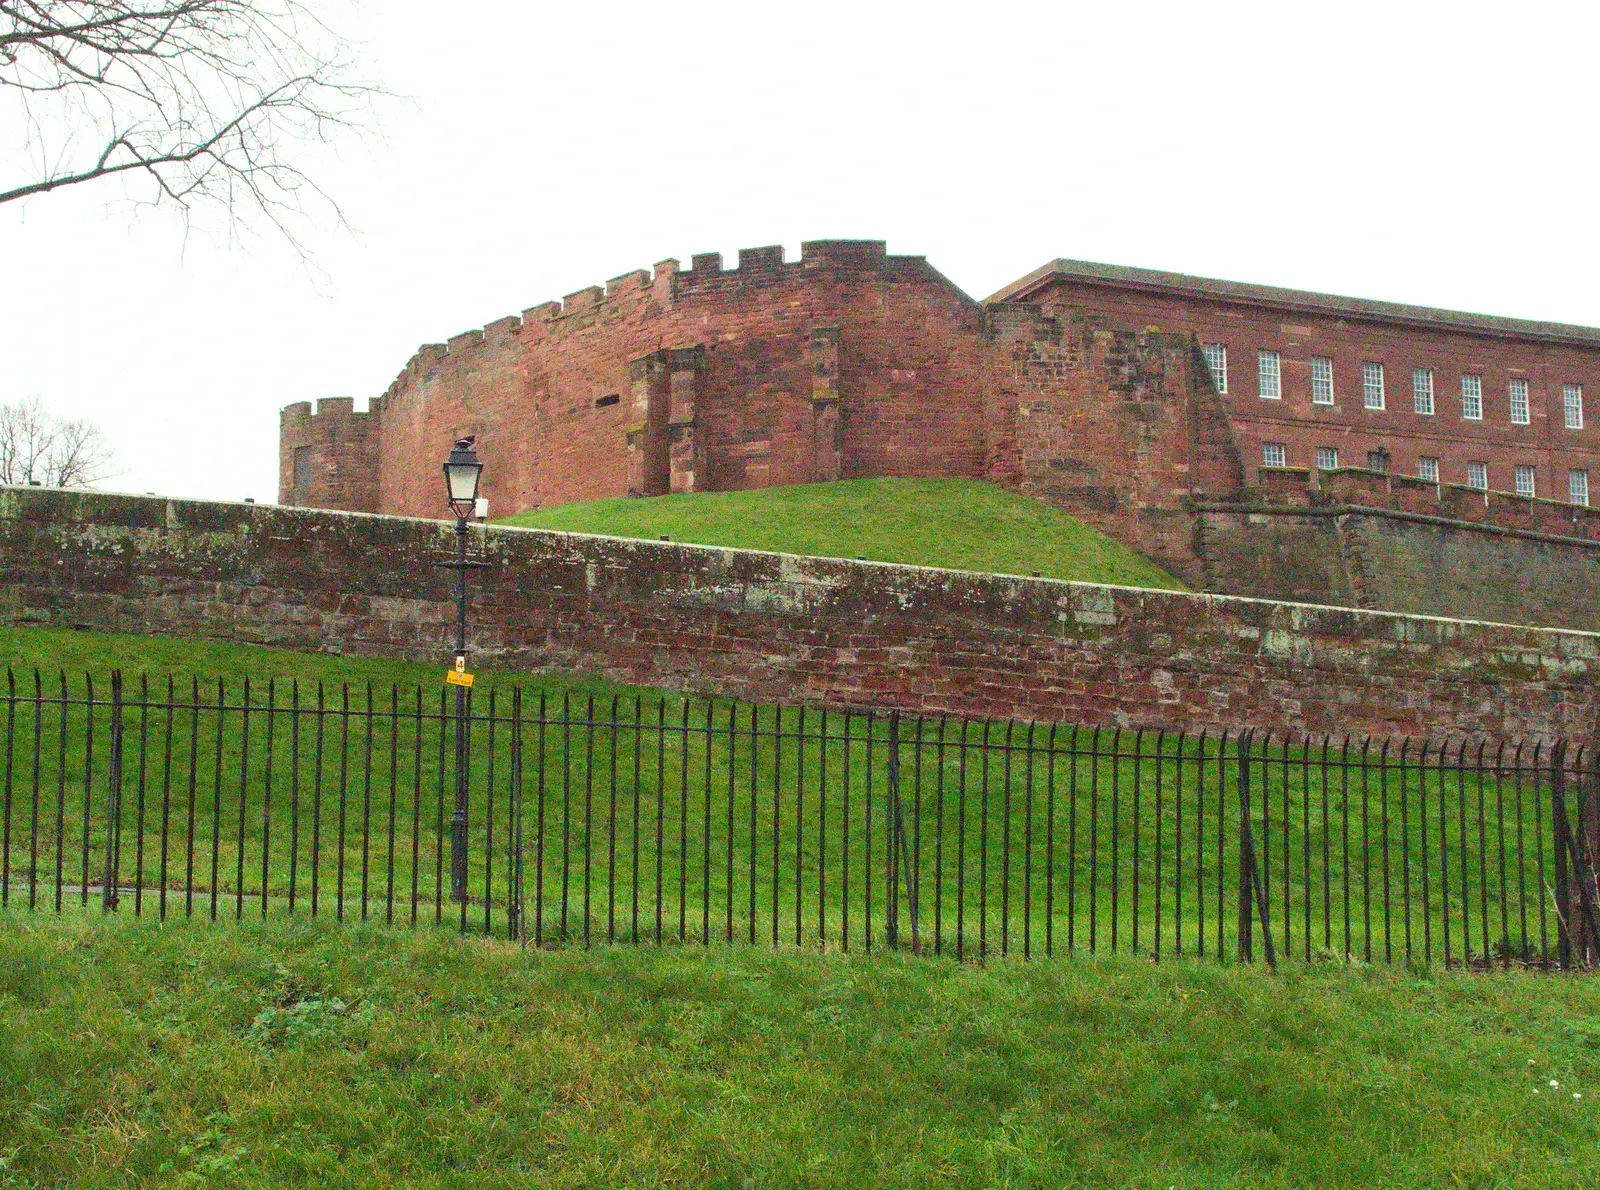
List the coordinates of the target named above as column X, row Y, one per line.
column 328, row 456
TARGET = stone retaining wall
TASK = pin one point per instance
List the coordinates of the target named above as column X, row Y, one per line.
column 777, row 627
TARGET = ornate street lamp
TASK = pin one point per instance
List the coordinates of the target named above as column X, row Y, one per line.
column 462, row 471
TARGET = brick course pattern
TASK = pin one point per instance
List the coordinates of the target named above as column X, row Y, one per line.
column 1351, row 333
column 776, row 627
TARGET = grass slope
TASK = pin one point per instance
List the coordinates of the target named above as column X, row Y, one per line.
column 958, row 523
column 288, row 1055
column 52, row 650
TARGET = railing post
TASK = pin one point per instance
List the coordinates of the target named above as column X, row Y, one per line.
column 514, row 892
column 1251, row 885
column 108, row 890
column 1562, row 838
column 1573, row 867
column 1588, row 844
column 892, row 838
column 1246, row 851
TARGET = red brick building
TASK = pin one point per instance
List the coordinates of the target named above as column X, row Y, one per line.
column 1121, row 395
column 1325, row 382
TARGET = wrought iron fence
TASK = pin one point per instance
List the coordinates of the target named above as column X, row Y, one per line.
column 692, row 822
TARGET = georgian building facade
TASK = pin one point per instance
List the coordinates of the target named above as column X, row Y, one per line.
column 1313, row 380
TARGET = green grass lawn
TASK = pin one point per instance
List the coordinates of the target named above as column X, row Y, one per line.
column 958, row 523
column 290, row 1055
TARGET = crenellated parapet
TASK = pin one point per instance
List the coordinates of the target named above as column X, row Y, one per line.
column 327, row 455
column 843, row 361
column 668, row 283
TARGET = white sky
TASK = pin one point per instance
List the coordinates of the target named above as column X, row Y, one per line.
column 1439, row 153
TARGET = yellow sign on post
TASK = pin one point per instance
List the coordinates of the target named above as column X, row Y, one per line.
column 458, row 678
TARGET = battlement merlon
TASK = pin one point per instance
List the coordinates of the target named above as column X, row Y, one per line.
column 669, row 279
column 660, row 282
column 331, row 409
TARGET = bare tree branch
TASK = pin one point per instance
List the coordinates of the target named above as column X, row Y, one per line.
column 192, row 103
column 37, row 447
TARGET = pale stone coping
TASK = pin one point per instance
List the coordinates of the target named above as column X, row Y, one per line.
column 1336, row 511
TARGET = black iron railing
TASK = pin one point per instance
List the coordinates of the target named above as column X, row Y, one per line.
column 685, row 821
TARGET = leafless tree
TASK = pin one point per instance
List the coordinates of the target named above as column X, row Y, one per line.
column 191, row 102
column 37, row 447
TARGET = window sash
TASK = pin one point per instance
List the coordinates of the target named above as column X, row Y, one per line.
column 1526, row 482
column 1372, row 386
column 1269, row 375
column 1572, row 406
column 1578, row 486
column 1428, row 469
column 1519, row 402
column 1274, row 454
column 1321, row 380
column 1422, row 391
column 1327, row 458
column 1217, row 362
column 1478, row 476
column 1472, row 398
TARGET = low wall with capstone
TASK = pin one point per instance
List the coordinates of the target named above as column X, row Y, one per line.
column 783, row 628
column 1383, row 560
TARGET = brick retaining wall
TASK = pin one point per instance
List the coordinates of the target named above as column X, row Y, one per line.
column 777, row 627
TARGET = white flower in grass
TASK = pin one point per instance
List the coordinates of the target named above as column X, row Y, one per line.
column 1577, row 1094
column 1553, row 1083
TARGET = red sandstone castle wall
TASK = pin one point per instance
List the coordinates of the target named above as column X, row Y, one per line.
column 1087, row 392
column 1119, row 427
column 327, row 458
column 846, row 362
column 1298, row 335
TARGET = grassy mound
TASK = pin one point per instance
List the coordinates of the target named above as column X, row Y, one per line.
column 957, row 523
column 293, row 1055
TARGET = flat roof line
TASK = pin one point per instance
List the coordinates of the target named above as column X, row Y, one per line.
column 1126, row 277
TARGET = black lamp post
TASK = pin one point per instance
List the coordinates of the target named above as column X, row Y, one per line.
column 462, row 471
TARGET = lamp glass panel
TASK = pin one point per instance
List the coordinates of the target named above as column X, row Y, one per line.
column 462, row 479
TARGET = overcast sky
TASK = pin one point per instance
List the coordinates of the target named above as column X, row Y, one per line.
column 1438, row 153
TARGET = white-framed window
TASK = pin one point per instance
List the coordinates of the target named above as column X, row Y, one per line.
column 1269, row 374
column 1472, row 397
column 1572, row 405
column 1321, row 380
column 1428, row 469
column 1327, row 458
column 1578, row 486
column 1378, row 460
column 1519, row 401
column 1422, row 391
column 1527, row 482
column 1372, row 386
column 1217, row 364
column 1273, row 454
column 1478, row 476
